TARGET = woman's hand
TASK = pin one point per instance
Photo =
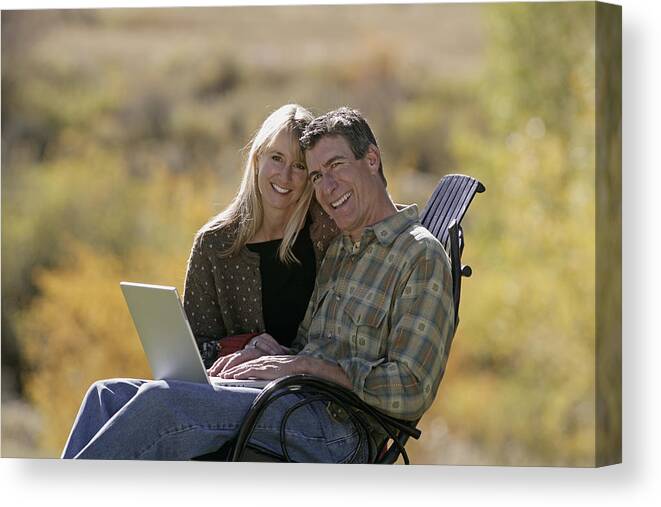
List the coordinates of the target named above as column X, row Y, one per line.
column 267, row 344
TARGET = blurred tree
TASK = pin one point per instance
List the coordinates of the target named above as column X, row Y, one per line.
column 520, row 385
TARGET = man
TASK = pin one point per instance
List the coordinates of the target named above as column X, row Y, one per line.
column 380, row 322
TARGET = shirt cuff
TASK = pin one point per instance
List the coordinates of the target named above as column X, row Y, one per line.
column 357, row 370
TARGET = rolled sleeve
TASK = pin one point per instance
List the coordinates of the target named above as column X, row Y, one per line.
column 357, row 370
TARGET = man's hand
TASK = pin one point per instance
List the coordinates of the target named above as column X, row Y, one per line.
column 231, row 360
column 261, row 345
column 266, row 368
column 273, row 367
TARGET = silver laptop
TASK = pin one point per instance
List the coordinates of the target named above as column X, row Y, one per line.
column 167, row 338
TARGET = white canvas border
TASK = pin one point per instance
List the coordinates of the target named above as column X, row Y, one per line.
column 635, row 482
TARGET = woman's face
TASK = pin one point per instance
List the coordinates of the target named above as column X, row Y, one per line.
column 282, row 175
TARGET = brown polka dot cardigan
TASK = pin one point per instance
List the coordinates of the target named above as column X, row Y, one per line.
column 223, row 295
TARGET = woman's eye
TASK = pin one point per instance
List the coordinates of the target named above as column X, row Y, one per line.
column 300, row 167
column 276, row 158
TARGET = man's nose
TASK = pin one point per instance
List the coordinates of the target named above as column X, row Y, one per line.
column 328, row 184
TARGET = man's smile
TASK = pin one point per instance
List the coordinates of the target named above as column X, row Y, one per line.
column 341, row 200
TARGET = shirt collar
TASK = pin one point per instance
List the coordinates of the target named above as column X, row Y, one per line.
column 387, row 229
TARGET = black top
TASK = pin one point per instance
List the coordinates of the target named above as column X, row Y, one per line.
column 286, row 289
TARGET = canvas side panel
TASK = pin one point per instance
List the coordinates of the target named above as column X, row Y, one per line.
column 608, row 430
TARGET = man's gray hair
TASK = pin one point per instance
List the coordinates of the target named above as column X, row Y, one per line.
column 345, row 122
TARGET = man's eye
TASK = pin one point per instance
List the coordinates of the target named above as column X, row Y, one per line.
column 314, row 178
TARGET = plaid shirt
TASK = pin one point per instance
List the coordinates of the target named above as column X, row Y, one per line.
column 382, row 310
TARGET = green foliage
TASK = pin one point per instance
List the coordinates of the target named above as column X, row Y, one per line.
column 117, row 154
column 523, row 358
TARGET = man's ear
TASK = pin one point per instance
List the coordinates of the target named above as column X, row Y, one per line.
column 373, row 157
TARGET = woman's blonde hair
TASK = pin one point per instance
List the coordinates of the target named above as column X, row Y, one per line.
column 246, row 213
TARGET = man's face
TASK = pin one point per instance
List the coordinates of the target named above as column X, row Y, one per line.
column 348, row 189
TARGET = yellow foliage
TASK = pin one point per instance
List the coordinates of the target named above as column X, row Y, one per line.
column 77, row 331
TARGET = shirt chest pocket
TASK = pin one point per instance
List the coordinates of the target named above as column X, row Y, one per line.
column 365, row 324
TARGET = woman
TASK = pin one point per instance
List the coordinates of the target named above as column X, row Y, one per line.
column 251, row 270
column 252, row 267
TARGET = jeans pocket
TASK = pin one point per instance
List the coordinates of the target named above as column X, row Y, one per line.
column 344, row 441
column 350, row 448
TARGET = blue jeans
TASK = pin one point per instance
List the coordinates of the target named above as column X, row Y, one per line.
column 172, row 420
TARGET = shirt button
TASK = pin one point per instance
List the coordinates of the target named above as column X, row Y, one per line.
column 338, row 297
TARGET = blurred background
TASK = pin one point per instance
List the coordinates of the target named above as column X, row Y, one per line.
column 122, row 132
